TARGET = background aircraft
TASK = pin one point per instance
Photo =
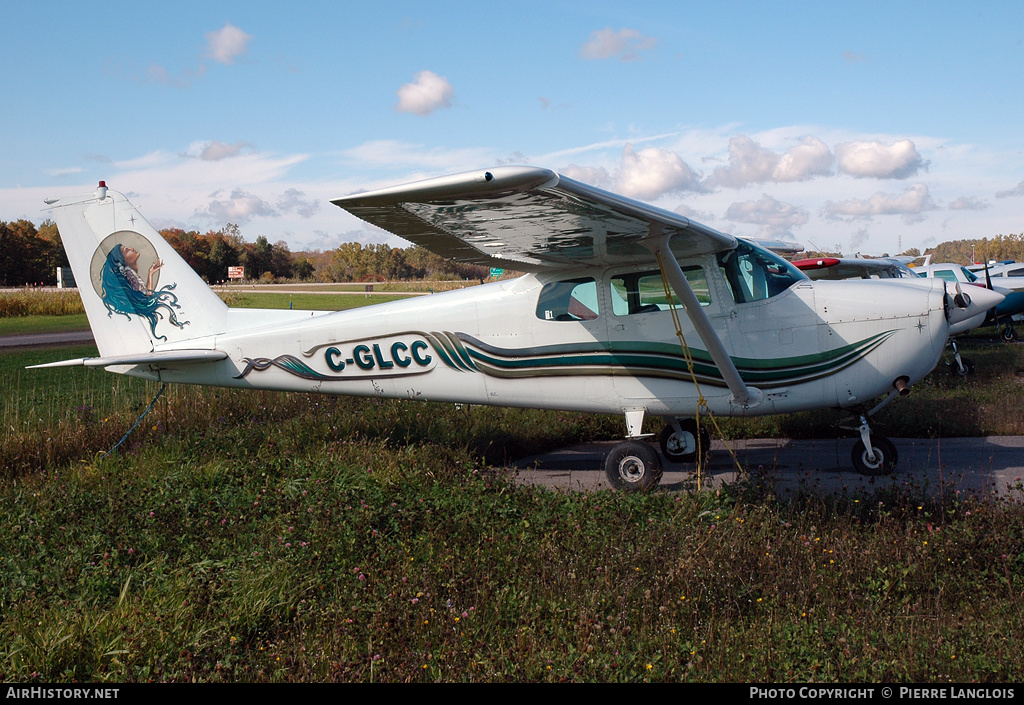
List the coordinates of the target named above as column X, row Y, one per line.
column 625, row 309
column 837, row 268
column 1002, row 314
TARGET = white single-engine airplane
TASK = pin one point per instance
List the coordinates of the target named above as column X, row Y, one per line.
column 589, row 328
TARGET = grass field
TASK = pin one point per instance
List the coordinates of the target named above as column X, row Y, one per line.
column 305, row 302
column 269, row 537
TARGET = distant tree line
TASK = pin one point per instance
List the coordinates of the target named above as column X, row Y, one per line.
column 211, row 254
column 1000, row 247
column 30, row 255
column 353, row 261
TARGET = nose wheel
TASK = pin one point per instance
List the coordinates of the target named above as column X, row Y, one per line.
column 684, row 441
column 961, row 366
column 873, row 454
column 881, row 460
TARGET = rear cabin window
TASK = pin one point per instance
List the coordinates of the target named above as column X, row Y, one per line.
column 570, row 300
column 644, row 292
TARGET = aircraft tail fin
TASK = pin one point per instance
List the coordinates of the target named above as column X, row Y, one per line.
column 137, row 291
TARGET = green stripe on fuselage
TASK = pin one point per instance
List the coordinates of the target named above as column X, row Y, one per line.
column 660, row 359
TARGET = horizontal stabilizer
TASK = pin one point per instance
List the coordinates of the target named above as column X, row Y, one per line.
column 155, row 358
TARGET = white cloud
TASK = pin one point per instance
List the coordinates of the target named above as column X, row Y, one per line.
column 968, row 203
column 294, row 200
column 622, row 45
column 404, row 155
column 590, row 175
column 427, row 93
column 156, row 158
column 810, row 158
column 775, row 217
column 911, row 204
column 652, row 173
column 750, row 163
column 698, row 215
column 212, row 150
column 898, row 160
column 240, row 207
column 859, row 238
column 61, row 173
column 226, row 44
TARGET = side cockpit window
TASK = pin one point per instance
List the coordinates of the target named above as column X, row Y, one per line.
column 570, row 300
column 755, row 274
column 644, row 292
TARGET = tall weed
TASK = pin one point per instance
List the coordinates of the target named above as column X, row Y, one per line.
column 40, row 303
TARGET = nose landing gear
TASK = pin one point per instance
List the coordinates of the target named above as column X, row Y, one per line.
column 960, row 366
column 873, row 455
column 683, row 441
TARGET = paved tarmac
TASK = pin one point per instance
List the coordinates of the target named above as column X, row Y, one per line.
column 69, row 337
column 982, row 467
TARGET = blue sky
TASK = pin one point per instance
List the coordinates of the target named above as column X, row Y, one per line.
column 860, row 126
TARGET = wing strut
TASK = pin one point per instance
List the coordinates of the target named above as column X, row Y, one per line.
column 657, row 243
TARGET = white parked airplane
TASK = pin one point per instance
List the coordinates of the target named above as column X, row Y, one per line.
column 836, row 268
column 589, row 328
column 1003, row 314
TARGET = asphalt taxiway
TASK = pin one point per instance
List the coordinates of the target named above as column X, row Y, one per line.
column 982, row 467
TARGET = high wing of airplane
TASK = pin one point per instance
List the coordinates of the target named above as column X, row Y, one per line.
column 624, row 309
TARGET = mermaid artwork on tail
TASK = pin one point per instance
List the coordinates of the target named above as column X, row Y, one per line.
column 124, row 291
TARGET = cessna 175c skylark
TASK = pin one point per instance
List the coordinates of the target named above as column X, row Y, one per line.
column 589, row 328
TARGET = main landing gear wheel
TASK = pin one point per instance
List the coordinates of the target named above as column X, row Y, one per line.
column 884, row 461
column 1008, row 335
column 682, row 447
column 633, row 465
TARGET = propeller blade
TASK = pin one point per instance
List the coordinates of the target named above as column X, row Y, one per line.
column 961, row 300
column 965, row 307
column 988, row 284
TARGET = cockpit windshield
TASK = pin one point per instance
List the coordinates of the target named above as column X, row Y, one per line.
column 755, row 274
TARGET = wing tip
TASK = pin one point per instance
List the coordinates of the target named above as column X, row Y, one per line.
column 467, row 183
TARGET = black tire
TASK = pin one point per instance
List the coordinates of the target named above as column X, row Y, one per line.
column 683, row 449
column 885, row 453
column 633, row 466
column 1008, row 334
column 954, row 369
